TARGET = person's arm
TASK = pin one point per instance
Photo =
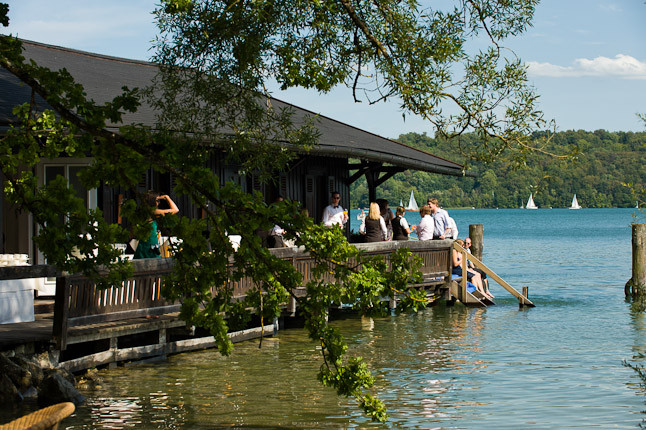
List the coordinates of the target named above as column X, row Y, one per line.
column 404, row 225
column 173, row 207
column 456, row 258
column 345, row 217
column 447, row 226
column 384, row 230
column 326, row 217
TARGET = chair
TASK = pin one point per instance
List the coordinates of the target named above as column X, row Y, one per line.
column 43, row 419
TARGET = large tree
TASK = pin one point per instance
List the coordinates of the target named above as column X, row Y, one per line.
column 215, row 59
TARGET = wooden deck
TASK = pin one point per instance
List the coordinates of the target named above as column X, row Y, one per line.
column 85, row 315
column 15, row 334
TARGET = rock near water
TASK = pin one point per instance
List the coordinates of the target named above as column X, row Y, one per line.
column 56, row 389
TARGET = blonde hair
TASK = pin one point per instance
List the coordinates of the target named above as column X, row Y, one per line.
column 374, row 212
column 425, row 210
column 460, row 242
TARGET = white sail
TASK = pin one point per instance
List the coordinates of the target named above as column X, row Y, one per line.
column 530, row 203
column 412, row 204
column 575, row 203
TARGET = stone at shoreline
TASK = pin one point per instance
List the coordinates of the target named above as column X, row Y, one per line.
column 56, row 389
column 47, row 360
column 20, row 377
column 32, row 366
column 8, row 392
column 91, row 379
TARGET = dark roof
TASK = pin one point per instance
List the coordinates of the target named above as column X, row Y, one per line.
column 103, row 77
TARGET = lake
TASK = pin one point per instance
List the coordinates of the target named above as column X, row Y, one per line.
column 555, row 366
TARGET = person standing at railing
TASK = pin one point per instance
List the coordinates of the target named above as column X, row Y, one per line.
column 387, row 215
column 401, row 230
column 373, row 226
column 440, row 218
column 149, row 248
column 333, row 214
column 426, row 226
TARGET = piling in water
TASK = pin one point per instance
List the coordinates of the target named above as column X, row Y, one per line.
column 476, row 233
column 636, row 286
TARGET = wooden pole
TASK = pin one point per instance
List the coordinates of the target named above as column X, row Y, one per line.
column 521, row 300
column 476, row 233
column 638, row 282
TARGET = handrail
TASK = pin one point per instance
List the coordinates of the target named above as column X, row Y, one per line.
column 522, row 300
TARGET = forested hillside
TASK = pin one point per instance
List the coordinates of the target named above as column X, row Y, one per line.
column 605, row 160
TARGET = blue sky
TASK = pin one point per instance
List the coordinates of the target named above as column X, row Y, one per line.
column 586, row 58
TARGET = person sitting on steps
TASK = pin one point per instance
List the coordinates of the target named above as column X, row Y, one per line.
column 472, row 276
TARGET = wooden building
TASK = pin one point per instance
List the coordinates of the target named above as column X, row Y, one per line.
column 309, row 179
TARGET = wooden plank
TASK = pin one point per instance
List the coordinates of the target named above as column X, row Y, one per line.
column 27, row 272
column 89, row 361
column 139, row 352
column 122, row 315
column 114, row 329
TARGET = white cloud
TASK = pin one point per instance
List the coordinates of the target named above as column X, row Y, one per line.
column 622, row 66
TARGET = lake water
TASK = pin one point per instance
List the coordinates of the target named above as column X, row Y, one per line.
column 555, row 366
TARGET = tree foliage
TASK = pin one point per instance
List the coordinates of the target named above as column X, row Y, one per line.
column 446, row 64
column 215, row 59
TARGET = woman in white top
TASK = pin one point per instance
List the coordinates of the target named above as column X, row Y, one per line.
column 426, row 226
column 373, row 226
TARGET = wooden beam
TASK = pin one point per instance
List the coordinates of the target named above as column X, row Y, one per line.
column 357, row 175
column 387, row 176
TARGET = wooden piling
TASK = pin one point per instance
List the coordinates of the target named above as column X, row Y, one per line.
column 521, row 300
column 637, row 284
column 476, row 234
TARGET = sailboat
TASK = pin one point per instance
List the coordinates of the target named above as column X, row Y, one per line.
column 530, row 203
column 412, row 204
column 575, row 204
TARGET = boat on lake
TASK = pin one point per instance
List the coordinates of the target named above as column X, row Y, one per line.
column 575, row 204
column 412, row 204
column 530, row 203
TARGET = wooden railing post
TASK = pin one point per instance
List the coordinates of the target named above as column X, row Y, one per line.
column 476, row 232
column 61, row 312
column 637, row 284
column 464, row 276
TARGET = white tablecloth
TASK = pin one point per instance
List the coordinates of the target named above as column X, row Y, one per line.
column 17, row 300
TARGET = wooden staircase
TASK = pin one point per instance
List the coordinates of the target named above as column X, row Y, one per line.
column 459, row 289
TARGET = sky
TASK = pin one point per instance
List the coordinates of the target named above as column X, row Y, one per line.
column 586, row 59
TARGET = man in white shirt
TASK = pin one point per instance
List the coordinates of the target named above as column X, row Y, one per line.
column 441, row 219
column 334, row 214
